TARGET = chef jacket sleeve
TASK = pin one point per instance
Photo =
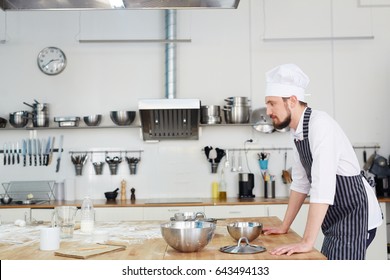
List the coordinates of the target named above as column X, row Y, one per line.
column 326, row 154
column 300, row 182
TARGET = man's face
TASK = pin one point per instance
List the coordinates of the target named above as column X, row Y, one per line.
column 279, row 112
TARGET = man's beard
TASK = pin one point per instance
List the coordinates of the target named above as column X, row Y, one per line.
column 285, row 122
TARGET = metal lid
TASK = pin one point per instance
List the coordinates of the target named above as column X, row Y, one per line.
column 243, row 249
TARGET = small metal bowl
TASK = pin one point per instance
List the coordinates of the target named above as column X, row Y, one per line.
column 122, row 117
column 188, row 236
column 6, row 200
column 19, row 119
column 3, row 122
column 93, row 120
column 250, row 230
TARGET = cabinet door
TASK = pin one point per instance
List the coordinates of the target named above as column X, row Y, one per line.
column 42, row 214
column 165, row 213
column 9, row 215
column 235, row 211
column 117, row 214
column 299, row 223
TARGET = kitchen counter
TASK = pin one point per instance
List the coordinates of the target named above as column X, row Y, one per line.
column 143, row 241
column 165, row 202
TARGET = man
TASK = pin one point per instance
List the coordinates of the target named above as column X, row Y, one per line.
column 326, row 168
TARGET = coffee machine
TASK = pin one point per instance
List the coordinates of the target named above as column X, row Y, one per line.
column 382, row 187
column 381, row 170
column 246, row 183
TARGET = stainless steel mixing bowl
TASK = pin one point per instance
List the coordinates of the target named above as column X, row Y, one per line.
column 122, row 117
column 188, row 236
column 250, row 230
column 93, row 120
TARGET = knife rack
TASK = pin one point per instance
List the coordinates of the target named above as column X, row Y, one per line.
column 15, row 151
column 107, row 152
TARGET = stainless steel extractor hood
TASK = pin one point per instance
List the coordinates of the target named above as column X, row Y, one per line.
column 116, row 4
column 169, row 118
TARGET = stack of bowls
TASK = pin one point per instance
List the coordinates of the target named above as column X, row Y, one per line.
column 210, row 114
column 237, row 109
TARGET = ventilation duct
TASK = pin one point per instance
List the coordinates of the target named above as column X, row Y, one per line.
column 116, row 4
column 170, row 118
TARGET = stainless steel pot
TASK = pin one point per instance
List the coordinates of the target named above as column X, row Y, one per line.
column 238, row 114
column 210, row 114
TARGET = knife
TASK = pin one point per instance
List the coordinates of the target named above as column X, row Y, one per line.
column 47, row 151
column 39, row 144
column 9, row 154
column 51, row 150
column 60, row 153
column 5, row 153
column 12, row 153
column 35, row 151
column 29, row 150
column 24, row 151
column 17, row 153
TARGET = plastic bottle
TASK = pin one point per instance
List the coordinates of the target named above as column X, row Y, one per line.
column 87, row 216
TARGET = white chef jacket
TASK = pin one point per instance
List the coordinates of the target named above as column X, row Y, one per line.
column 332, row 154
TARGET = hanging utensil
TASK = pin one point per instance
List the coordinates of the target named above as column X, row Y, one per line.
column 24, row 151
column 17, row 153
column 364, row 155
column 286, row 176
column 234, row 169
column 367, row 165
column 12, row 153
column 239, row 169
column 5, row 153
column 59, row 153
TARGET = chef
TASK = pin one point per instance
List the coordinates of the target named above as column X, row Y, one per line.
column 326, row 168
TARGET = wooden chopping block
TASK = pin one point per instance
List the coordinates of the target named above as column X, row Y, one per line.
column 88, row 251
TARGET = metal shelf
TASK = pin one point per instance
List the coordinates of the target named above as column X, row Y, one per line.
column 69, row 127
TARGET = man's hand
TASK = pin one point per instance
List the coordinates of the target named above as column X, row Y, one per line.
column 290, row 249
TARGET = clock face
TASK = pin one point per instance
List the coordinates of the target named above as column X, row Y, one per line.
column 51, row 60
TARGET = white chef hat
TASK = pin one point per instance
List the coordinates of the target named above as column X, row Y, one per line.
column 286, row 80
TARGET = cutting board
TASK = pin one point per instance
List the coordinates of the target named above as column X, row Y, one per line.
column 88, row 251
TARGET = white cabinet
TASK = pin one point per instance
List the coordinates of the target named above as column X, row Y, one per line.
column 117, row 214
column 165, row 213
column 42, row 214
column 9, row 215
column 235, row 211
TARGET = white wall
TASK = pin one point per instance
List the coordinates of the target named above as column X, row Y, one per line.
column 229, row 53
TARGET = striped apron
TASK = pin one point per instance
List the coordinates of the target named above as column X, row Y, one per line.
column 346, row 221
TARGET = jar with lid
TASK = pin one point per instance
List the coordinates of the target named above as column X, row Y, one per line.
column 87, row 216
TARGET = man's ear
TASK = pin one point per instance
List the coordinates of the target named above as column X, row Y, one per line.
column 292, row 102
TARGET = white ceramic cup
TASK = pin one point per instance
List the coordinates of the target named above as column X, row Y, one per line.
column 50, row 239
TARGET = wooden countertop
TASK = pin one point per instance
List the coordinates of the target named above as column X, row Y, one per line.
column 169, row 202
column 144, row 242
